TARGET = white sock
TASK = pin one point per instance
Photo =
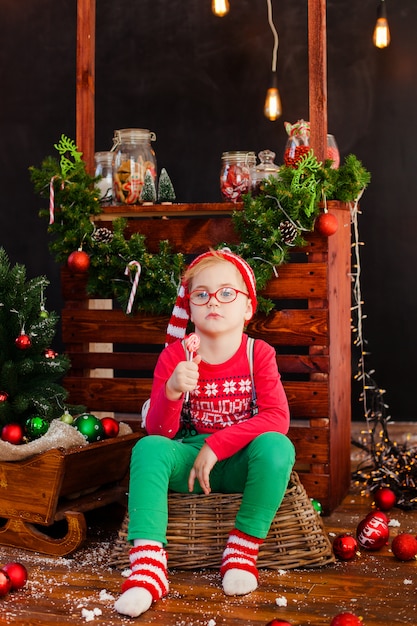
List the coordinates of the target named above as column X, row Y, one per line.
column 148, row 581
column 240, row 575
column 134, row 602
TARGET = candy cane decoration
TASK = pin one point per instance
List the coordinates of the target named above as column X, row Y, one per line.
column 51, row 200
column 132, row 265
column 192, row 343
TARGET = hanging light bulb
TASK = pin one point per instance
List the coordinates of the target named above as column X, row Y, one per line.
column 220, row 7
column 381, row 36
column 273, row 108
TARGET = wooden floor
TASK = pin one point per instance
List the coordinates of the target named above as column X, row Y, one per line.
column 82, row 588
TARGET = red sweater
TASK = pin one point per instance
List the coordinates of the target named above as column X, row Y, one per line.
column 220, row 405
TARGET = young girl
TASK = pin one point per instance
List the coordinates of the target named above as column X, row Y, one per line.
column 224, row 446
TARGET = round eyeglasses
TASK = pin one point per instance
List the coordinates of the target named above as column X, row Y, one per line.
column 224, row 295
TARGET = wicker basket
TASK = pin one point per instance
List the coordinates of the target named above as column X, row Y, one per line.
column 199, row 526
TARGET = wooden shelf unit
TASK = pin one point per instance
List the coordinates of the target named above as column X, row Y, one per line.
column 113, row 354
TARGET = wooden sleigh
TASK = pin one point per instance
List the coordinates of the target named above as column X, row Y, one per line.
column 60, row 485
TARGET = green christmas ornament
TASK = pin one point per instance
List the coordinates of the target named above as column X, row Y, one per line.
column 36, row 427
column 316, row 505
column 90, row 427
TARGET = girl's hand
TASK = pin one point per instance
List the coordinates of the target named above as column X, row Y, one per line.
column 203, row 464
column 184, row 378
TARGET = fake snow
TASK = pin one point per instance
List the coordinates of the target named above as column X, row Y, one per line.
column 104, row 595
column 281, row 601
column 407, row 581
column 211, row 622
column 90, row 615
column 394, row 523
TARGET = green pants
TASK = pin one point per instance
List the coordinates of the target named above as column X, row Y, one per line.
column 260, row 471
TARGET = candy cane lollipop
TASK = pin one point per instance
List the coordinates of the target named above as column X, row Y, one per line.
column 192, row 343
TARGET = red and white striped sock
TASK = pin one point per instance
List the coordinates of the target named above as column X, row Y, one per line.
column 149, row 570
column 239, row 559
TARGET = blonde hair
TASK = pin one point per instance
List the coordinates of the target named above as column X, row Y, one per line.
column 216, row 258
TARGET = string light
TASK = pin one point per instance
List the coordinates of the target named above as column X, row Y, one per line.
column 220, row 7
column 381, row 37
column 388, row 463
column 273, row 107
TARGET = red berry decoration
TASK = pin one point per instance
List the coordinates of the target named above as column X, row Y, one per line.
column 404, row 547
column 12, row 433
column 385, row 498
column 278, row 622
column 23, row 342
column 5, row 583
column 372, row 532
column 4, row 396
column 326, row 224
column 49, row 353
column 17, row 573
column 111, row 427
column 345, row 547
column 78, row 261
column 346, row 619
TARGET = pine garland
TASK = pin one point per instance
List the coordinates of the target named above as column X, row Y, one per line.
column 269, row 225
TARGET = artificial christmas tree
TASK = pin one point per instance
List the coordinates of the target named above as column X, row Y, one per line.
column 148, row 193
column 29, row 368
column 166, row 193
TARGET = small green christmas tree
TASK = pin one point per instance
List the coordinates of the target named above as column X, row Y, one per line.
column 29, row 368
column 166, row 191
column 148, row 193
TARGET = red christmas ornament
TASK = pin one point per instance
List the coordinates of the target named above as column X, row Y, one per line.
column 5, row 583
column 278, row 622
column 78, row 261
column 23, row 342
column 372, row 532
column 345, row 547
column 385, row 498
column 17, row 573
column 380, row 515
column 49, row 353
column 12, row 433
column 404, row 547
column 346, row 619
column 111, row 427
column 4, row 396
column 326, row 224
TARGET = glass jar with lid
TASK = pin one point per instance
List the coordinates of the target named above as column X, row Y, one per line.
column 237, row 175
column 266, row 168
column 104, row 169
column 298, row 145
column 133, row 157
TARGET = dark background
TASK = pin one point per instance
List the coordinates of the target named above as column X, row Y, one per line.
column 199, row 83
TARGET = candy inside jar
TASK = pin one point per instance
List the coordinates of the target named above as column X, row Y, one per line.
column 298, row 145
column 133, row 157
column 237, row 175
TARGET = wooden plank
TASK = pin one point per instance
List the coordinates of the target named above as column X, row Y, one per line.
column 287, row 328
column 298, row 281
column 126, row 395
column 311, row 444
column 317, row 71
column 145, row 361
column 85, row 80
column 294, row 281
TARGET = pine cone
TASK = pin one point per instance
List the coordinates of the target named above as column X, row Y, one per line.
column 288, row 232
column 102, row 235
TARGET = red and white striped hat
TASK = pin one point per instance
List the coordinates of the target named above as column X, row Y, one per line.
column 181, row 312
